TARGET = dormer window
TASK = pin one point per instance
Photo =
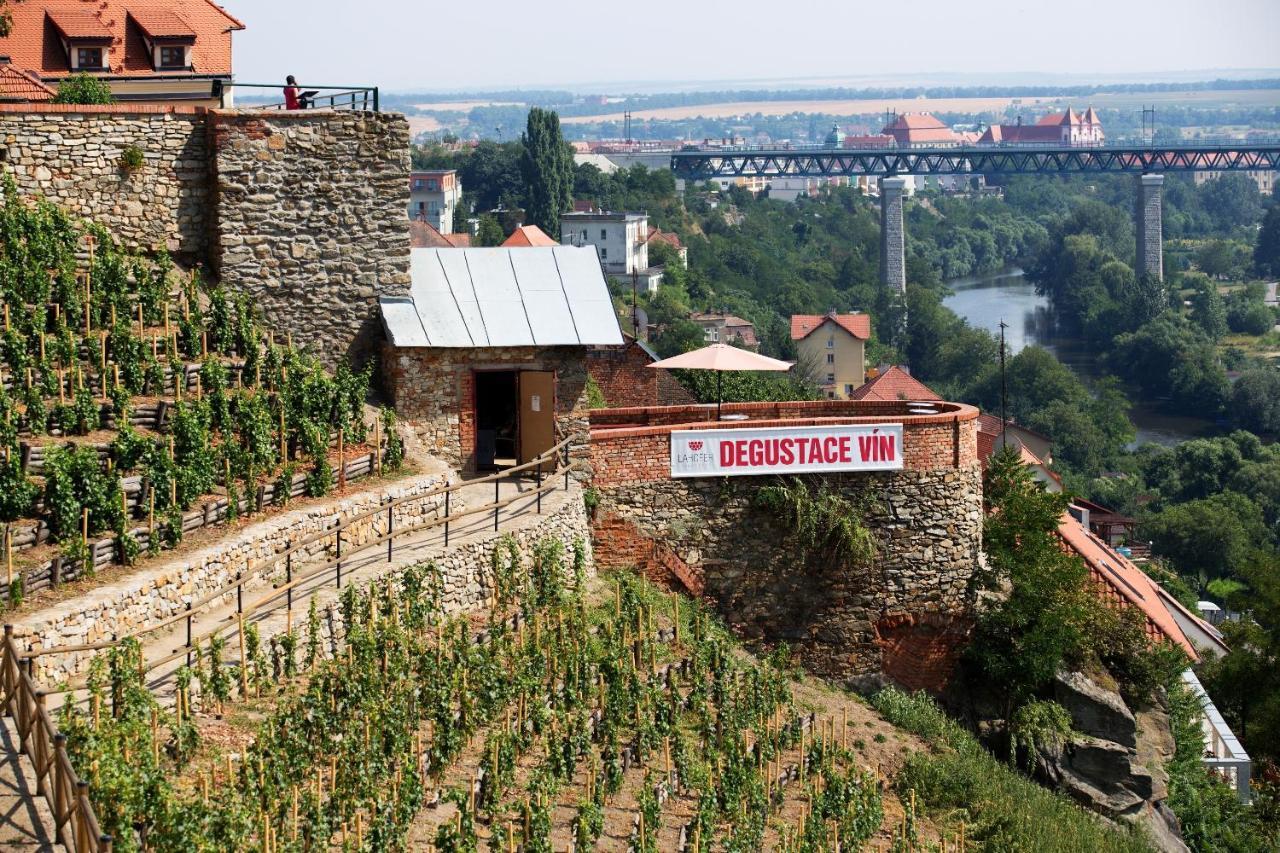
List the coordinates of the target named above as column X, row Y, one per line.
column 168, row 38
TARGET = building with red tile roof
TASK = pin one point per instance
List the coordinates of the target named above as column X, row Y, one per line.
column 894, row 384
column 832, row 348
column 19, row 86
column 1123, row 584
column 920, row 130
column 529, row 235
column 1068, row 128
column 148, row 51
column 672, row 239
column 721, row 328
column 424, row 235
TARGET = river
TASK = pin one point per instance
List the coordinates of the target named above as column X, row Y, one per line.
column 985, row 300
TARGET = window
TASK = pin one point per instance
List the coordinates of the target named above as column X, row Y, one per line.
column 831, row 342
column 848, row 390
column 173, row 57
column 89, row 57
column 417, row 183
column 604, row 254
column 432, row 185
column 604, row 235
column 584, row 235
column 831, row 377
column 831, row 358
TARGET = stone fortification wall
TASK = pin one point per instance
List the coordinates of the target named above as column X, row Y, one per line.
column 71, row 155
column 311, row 222
column 903, row 616
column 304, row 211
column 153, row 594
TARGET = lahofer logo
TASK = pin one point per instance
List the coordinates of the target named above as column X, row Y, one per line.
column 786, row 450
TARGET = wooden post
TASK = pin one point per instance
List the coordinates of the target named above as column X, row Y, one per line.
column 84, row 525
column 377, row 444
column 244, row 671
column 284, row 444
column 342, row 461
column 8, row 554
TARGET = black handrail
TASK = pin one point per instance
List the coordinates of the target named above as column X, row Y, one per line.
column 327, row 97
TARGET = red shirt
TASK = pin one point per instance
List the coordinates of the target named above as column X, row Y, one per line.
column 291, row 98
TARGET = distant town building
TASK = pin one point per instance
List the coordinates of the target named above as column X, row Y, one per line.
column 423, row 235
column 791, row 187
column 892, row 384
column 434, row 196
column 669, row 238
column 1068, row 128
column 1264, row 178
column 722, row 328
column 920, row 130
column 833, row 347
column 146, row 52
column 621, row 241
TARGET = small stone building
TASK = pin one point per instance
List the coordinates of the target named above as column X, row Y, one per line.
column 486, row 359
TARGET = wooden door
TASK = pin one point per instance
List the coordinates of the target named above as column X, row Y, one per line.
column 537, row 414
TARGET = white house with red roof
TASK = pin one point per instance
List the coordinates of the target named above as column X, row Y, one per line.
column 147, row 51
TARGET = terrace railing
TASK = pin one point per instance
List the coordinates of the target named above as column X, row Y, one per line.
column 75, row 824
column 364, row 98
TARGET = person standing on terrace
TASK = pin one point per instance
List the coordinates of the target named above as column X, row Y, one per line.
column 291, row 101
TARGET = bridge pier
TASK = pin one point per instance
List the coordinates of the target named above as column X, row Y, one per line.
column 1149, row 215
column 893, row 247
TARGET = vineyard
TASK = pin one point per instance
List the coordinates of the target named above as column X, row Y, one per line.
column 572, row 714
column 139, row 403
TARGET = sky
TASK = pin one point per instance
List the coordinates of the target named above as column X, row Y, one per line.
column 433, row 46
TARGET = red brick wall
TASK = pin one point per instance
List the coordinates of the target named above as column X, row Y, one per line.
column 640, row 454
column 627, row 381
column 920, row 651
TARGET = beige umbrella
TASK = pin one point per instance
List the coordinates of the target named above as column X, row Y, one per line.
column 721, row 357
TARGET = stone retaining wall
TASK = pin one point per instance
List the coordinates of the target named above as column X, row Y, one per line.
column 154, row 594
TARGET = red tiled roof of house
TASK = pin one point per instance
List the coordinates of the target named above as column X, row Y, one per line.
column 657, row 235
column 162, row 23
column 858, row 325
column 894, row 384
column 20, row 86
column 910, row 128
column 35, row 39
column 1123, row 583
column 529, row 235
column 424, row 235
column 1090, row 117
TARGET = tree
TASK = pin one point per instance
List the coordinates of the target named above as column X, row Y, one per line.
column 489, row 232
column 1255, row 400
column 677, row 337
column 1208, row 538
column 1221, row 259
column 6, row 19
column 1207, row 307
column 1170, row 358
column 546, row 162
column 1266, row 252
column 1248, row 313
column 83, row 89
column 1231, row 200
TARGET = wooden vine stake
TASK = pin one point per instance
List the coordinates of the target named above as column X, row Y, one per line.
column 377, row 444
column 8, row 548
column 244, row 670
column 342, row 465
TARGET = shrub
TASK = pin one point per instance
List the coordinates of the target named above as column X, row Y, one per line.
column 132, row 159
column 83, row 89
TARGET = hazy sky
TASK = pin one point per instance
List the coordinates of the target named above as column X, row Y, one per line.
column 429, row 45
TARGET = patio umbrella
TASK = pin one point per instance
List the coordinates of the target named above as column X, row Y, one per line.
column 720, row 358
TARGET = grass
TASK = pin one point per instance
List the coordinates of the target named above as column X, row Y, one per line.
column 1000, row 809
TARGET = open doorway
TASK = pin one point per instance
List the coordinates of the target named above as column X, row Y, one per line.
column 497, row 419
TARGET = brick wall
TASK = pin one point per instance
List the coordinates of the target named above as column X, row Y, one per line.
column 627, row 381
column 433, row 391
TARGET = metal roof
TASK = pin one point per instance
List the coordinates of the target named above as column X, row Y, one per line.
column 503, row 297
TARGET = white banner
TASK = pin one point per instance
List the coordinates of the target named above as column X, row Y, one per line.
column 786, row 450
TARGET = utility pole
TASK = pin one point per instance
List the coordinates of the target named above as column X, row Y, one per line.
column 635, row 314
column 1004, row 391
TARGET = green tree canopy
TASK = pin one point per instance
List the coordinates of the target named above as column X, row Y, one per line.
column 546, row 163
column 83, row 89
column 1266, row 252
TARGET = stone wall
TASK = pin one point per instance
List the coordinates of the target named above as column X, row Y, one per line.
column 155, row 593
column 433, row 391
column 304, row 211
column 1150, row 220
column 310, row 220
column 71, row 155
column 902, row 616
column 893, row 259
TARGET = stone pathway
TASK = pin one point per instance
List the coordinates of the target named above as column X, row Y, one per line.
column 26, row 823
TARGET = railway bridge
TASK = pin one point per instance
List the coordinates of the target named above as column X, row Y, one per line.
column 1148, row 162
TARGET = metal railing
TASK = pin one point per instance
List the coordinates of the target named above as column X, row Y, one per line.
column 322, row 97
column 545, row 481
column 75, row 824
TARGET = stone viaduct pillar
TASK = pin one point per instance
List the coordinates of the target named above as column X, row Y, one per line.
column 893, row 258
column 1150, row 226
